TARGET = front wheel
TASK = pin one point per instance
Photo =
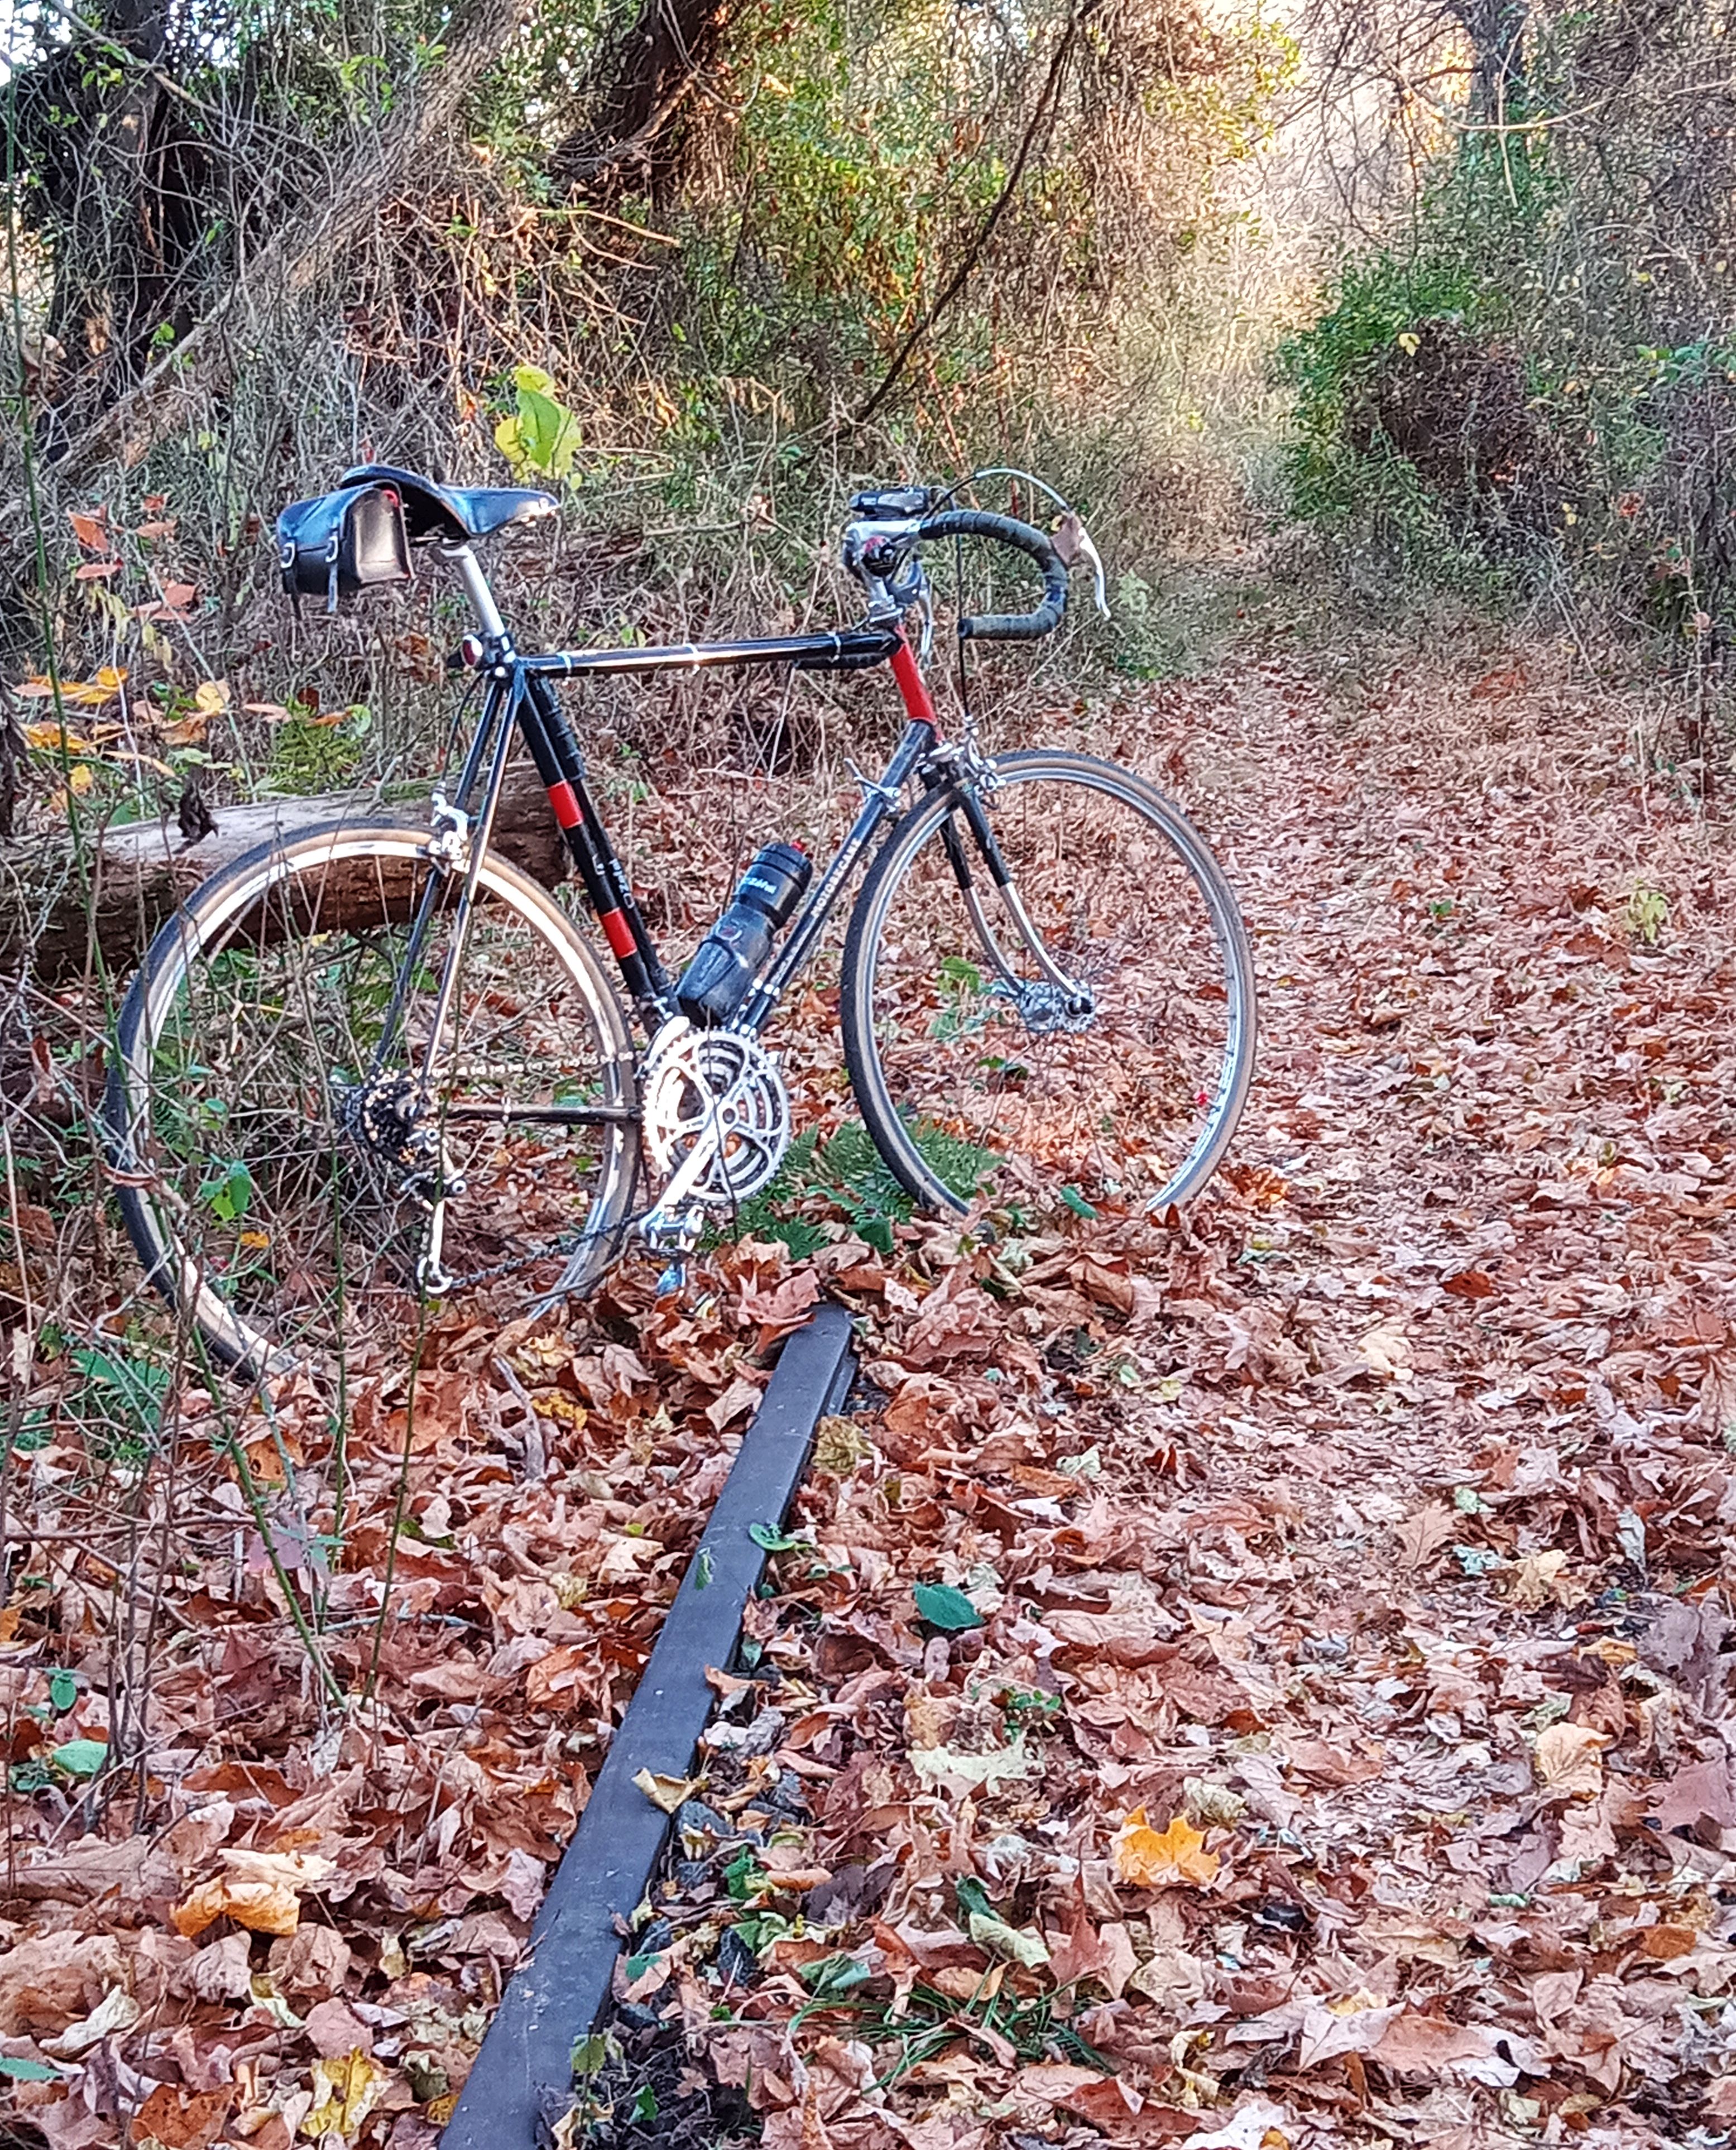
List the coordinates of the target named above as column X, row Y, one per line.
column 280, row 1130
column 1047, row 983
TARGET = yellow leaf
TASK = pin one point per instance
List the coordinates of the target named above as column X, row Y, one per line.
column 508, row 439
column 345, row 2092
column 210, row 697
column 1155, row 1859
column 81, row 778
column 266, row 1907
column 46, row 739
column 1408, row 342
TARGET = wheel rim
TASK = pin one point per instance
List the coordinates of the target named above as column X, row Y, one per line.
column 1123, row 1095
column 288, row 1223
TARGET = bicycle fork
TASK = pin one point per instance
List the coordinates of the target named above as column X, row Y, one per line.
column 1059, row 1002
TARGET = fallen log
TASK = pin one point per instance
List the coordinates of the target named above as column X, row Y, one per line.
column 136, row 873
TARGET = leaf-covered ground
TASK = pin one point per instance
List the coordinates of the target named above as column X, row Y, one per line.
column 1243, row 1681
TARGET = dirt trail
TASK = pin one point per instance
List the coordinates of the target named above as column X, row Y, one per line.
column 1324, row 1722
column 1389, row 1629
column 1465, row 1394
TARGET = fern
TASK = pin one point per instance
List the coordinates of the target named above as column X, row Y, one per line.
column 854, row 1179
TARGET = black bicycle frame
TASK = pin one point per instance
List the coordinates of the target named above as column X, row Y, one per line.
column 520, row 699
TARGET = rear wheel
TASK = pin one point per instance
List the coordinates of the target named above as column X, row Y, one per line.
column 275, row 1175
column 1047, row 981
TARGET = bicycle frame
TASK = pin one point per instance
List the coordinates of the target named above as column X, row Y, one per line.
column 520, row 699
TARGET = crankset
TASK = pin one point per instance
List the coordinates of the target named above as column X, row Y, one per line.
column 716, row 1126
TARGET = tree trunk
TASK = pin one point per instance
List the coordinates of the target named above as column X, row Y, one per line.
column 201, row 364
column 633, row 138
column 140, row 870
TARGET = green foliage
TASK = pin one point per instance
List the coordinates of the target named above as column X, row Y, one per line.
column 541, row 437
column 311, row 753
column 120, row 1399
column 849, row 1178
column 1520, row 388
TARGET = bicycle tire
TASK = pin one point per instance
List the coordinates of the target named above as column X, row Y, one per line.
column 945, row 1105
column 269, row 904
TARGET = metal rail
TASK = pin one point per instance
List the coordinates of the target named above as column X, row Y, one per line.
column 523, row 2073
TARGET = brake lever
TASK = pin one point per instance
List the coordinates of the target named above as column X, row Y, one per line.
column 1071, row 541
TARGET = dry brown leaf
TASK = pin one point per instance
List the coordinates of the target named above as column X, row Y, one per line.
column 264, row 1907
column 1569, row 1759
column 182, row 2119
column 1421, row 1536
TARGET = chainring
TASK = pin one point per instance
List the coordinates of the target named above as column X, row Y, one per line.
column 719, row 1087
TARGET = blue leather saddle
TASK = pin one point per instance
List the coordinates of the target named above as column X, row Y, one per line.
column 359, row 537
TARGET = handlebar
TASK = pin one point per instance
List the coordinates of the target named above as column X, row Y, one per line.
column 1006, row 530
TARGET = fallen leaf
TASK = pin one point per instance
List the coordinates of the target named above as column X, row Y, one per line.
column 345, row 2092
column 1542, row 1579
column 1421, row 1537
column 1148, row 1857
column 1569, row 1760
column 182, row 2119
column 998, row 1765
column 1414, row 2044
column 668, row 1793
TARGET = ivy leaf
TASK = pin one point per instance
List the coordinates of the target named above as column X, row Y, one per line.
column 771, row 1539
column 62, row 1692
column 1077, row 1203
column 972, row 1897
column 227, row 1193
column 80, row 1757
column 944, row 1607
column 22, row 2070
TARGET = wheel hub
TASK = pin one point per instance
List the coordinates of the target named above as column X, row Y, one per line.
column 382, row 1118
column 1045, row 1009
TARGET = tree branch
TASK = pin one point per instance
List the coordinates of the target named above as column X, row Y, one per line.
column 961, row 275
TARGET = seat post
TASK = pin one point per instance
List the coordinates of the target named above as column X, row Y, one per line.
column 481, row 598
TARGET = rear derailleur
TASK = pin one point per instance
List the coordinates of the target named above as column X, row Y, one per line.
column 384, row 1118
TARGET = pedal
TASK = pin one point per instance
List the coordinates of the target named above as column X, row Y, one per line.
column 673, row 1282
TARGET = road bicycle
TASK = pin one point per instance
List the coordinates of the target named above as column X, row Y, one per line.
column 374, row 1067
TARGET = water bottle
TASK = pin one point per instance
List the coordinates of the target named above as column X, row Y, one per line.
column 726, row 962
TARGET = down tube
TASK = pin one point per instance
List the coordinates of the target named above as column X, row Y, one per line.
column 879, row 806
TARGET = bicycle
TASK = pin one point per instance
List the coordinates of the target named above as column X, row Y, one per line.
column 368, row 1069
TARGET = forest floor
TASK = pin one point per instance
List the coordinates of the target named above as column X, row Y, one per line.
column 1338, row 1740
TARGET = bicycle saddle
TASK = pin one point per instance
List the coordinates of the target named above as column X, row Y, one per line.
column 454, row 512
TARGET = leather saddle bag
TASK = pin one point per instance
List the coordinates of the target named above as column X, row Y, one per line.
column 342, row 542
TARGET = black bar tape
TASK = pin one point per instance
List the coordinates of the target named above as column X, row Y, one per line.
column 1006, row 530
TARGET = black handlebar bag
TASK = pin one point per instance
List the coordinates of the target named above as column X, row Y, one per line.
column 342, row 542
